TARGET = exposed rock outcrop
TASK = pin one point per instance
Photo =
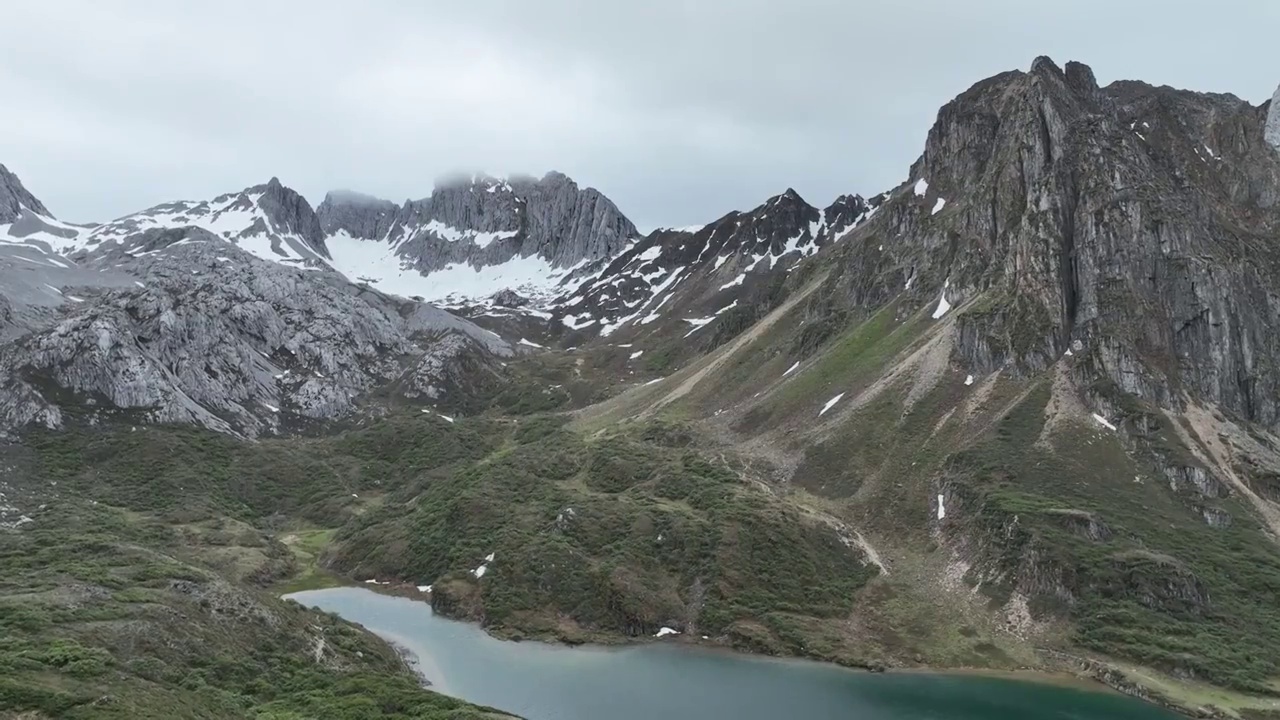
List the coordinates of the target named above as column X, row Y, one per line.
column 1133, row 222
column 1273, row 120
column 14, row 198
column 220, row 338
column 483, row 221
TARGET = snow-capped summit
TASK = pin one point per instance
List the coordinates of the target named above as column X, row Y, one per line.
column 472, row 238
column 708, row 270
column 269, row 220
column 475, row 236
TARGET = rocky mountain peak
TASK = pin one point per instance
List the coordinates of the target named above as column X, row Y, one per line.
column 847, row 211
column 290, row 213
column 1080, row 79
column 538, row 230
column 1036, row 107
column 1068, row 208
column 358, row 214
column 14, row 198
column 1273, row 120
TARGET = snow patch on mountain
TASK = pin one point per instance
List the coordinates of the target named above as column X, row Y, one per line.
column 830, row 404
column 238, row 218
column 379, row 265
column 481, row 239
column 943, row 305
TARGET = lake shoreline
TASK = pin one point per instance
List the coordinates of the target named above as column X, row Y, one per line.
column 410, row 659
column 1083, row 674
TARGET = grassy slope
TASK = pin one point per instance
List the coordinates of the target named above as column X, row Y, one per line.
column 619, row 534
column 136, row 591
column 734, row 512
column 1161, row 587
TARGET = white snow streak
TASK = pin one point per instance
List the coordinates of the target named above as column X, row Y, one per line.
column 697, row 324
column 830, row 404
column 791, row 369
column 571, row 321
column 1103, row 422
column 734, row 282
column 937, row 207
column 922, row 187
column 942, row 509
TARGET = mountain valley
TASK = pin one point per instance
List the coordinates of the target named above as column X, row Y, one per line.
column 1019, row 412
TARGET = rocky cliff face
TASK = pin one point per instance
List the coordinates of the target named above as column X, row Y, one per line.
column 220, row 338
column 1131, row 222
column 477, row 236
column 1273, row 120
column 359, row 215
column 288, row 213
column 14, row 198
column 191, row 313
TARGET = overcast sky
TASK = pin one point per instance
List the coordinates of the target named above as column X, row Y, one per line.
column 679, row 111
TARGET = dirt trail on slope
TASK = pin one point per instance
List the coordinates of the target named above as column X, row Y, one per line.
column 737, row 344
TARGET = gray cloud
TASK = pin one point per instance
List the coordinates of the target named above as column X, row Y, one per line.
column 678, row 110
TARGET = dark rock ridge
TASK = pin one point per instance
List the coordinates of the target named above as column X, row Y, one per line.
column 14, row 198
column 290, row 213
column 693, row 277
column 1133, row 224
column 486, row 221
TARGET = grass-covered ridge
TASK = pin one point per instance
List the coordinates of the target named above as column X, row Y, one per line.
column 165, row 547
column 620, row 533
column 140, row 586
column 108, row 613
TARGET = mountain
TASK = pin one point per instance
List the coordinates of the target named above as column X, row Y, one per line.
column 1032, row 394
column 1038, row 382
column 173, row 315
column 721, row 274
column 1018, row 411
column 475, row 237
column 269, row 220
